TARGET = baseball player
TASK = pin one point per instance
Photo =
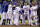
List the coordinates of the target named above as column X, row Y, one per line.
column 5, row 12
column 30, row 19
column 36, row 19
column 34, row 13
column 36, row 6
column 2, row 10
column 9, row 12
column 26, row 11
column 21, row 11
column 2, row 7
column 5, row 6
column 22, row 14
column 16, row 15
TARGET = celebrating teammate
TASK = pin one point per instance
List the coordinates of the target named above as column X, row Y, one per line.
column 26, row 11
column 34, row 13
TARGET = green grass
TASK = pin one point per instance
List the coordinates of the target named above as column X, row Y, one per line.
column 20, row 22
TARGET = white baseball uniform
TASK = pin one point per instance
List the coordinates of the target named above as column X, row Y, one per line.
column 16, row 15
column 34, row 13
column 26, row 11
column 9, row 13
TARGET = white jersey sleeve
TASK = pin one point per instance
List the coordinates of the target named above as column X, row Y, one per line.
column 36, row 7
column 26, row 7
column 31, row 10
column 9, row 7
column 18, row 8
column 23, row 7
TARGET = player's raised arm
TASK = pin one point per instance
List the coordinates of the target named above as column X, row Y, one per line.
column 13, row 6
